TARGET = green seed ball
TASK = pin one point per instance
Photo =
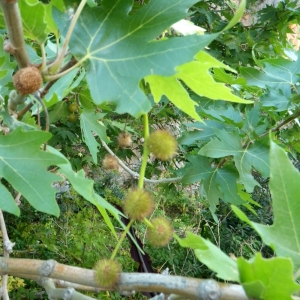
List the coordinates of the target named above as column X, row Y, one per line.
column 107, row 272
column 138, row 204
column 162, row 144
column 73, row 118
column 161, row 233
column 73, row 107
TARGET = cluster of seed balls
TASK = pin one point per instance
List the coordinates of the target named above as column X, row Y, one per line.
column 138, row 203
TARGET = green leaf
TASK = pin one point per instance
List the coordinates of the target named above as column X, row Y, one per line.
column 267, row 279
column 284, row 235
column 217, row 183
column 58, row 111
column 245, row 158
column 24, row 165
column 7, row 202
column 237, row 16
column 61, row 87
column 278, row 74
column 276, row 99
column 174, row 91
column 33, row 14
column 224, row 113
column 6, row 67
column 89, row 121
column 118, row 55
column 202, row 131
column 254, row 121
column 211, row 256
column 85, row 188
column 197, row 77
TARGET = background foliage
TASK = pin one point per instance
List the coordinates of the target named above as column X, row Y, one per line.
column 220, row 94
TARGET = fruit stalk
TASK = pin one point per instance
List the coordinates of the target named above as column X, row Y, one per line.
column 121, row 239
column 53, row 68
column 145, row 152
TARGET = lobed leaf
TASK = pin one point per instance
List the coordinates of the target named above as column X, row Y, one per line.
column 89, row 121
column 24, row 165
column 267, row 279
column 245, row 158
column 212, row 256
column 284, row 235
column 277, row 74
column 217, row 183
column 119, row 48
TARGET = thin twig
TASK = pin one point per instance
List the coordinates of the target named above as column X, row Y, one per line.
column 48, row 85
column 284, row 122
column 135, row 174
column 23, row 111
column 57, row 63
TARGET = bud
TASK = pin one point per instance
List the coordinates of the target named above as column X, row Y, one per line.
column 138, row 204
column 161, row 233
column 162, row 144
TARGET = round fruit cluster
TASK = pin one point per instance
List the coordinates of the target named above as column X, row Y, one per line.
column 27, row 80
column 162, row 144
column 138, row 203
column 107, row 272
column 73, row 109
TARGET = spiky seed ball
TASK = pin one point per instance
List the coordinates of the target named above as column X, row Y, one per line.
column 138, row 204
column 107, row 272
column 27, row 80
column 161, row 233
column 162, row 144
column 124, row 139
column 110, row 162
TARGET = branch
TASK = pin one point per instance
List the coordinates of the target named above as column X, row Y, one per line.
column 167, row 284
column 15, row 99
column 135, row 174
column 7, row 249
column 61, row 293
column 288, row 120
column 48, row 85
column 14, row 28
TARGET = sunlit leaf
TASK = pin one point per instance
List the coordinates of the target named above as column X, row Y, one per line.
column 284, row 235
column 212, row 256
column 267, row 279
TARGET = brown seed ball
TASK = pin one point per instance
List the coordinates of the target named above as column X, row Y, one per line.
column 162, row 144
column 124, row 139
column 161, row 233
column 110, row 162
column 138, row 204
column 27, row 80
column 107, row 272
